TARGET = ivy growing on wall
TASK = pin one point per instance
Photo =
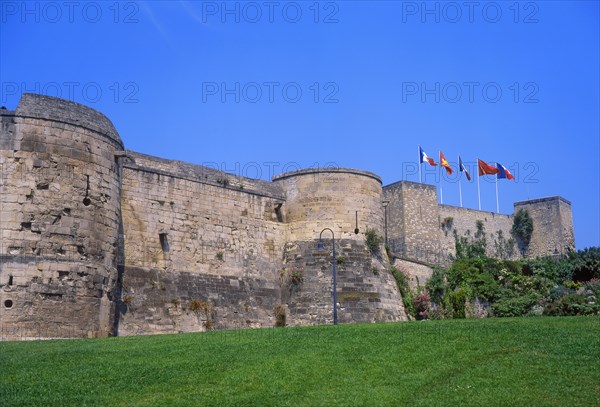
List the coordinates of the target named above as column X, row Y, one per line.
column 504, row 248
column 522, row 229
column 467, row 247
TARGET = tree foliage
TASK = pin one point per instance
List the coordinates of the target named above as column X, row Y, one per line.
column 544, row 285
column 522, row 229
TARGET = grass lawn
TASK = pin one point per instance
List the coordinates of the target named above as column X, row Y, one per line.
column 487, row 362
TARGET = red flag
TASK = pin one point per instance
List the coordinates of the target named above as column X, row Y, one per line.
column 444, row 163
column 486, row 169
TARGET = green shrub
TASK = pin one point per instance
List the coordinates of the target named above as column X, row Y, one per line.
column 504, row 248
column 572, row 304
column 515, row 306
column 402, row 283
column 548, row 267
column 436, row 286
column 373, row 240
column 458, row 300
column 594, row 286
column 585, row 264
column 524, row 287
column 467, row 247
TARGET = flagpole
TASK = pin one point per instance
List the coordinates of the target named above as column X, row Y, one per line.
column 459, row 177
column 441, row 176
column 497, row 207
column 419, row 153
column 478, row 190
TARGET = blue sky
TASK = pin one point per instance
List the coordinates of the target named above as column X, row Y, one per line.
column 257, row 88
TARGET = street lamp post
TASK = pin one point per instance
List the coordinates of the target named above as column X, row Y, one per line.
column 385, row 205
column 321, row 247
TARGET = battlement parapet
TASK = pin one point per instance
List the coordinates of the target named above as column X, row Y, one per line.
column 64, row 111
column 541, row 200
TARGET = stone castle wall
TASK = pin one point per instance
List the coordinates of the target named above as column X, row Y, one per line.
column 553, row 226
column 464, row 223
column 97, row 240
column 60, row 206
column 191, row 236
column 413, row 221
column 422, row 232
column 342, row 200
column 319, row 198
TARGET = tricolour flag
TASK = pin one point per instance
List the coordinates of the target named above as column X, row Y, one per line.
column 486, row 169
column 424, row 158
column 444, row 163
column 462, row 168
column 503, row 172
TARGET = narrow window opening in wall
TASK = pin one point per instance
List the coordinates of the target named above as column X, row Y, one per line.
column 164, row 242
column 10, row 280
column 278, row 212
column 8, row 303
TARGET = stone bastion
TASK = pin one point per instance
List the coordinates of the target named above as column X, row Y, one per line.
column 97, row 240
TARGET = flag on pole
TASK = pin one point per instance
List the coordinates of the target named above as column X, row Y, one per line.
column 444, row 163
column 462, row 168
column 424, row 158
column 486, row 169
column 503, row 172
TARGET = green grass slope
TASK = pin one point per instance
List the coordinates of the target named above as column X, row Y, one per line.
column 517, row 362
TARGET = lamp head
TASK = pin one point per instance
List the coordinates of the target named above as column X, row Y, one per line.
column 320, row 246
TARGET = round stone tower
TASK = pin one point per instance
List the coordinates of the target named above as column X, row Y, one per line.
column 330, row 197
column 335, row 198
column 60, row 219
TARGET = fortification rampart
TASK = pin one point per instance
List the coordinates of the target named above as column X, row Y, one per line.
column 98, row 240
column 191, row 237
column 553, row 233
column 413, row 222
column 492, row 228
column 60, row 209
column 318, row 198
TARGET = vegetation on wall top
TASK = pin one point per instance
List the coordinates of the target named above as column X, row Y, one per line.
column 479, row 286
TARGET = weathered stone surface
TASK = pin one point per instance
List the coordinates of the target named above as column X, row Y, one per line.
column 46, row 229
column 97, row 240
column 421, row 230
column 552, row 226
